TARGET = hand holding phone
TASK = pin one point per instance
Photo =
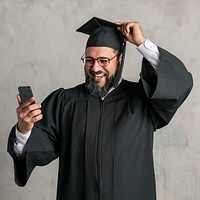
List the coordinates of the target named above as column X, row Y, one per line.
column 28, row 112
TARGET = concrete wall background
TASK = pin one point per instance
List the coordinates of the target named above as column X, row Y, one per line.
column 39, row 47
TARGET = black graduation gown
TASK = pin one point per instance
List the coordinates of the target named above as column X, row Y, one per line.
column 105, row 146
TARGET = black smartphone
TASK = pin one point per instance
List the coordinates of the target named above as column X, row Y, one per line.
column 25, row 93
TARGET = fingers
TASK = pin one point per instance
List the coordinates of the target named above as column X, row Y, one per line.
column 28, row 113
column 132, row 32
column 32, row 117
column 27, row 118
column 126, row 27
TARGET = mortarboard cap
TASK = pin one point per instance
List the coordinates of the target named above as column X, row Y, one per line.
column 102, row 33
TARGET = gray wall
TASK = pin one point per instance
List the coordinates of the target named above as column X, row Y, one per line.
column 39, row 47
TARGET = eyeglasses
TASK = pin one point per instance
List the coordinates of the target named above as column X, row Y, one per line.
column 103, row 61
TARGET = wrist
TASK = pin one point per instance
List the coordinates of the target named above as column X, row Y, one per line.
column 21, row 130
column 141, row 41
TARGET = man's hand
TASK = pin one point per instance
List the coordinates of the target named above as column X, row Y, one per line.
column 132, row 31
column 27, row 114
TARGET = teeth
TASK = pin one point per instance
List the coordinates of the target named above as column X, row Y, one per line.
column 100, row 76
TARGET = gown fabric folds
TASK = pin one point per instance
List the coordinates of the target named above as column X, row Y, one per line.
column 105, row 147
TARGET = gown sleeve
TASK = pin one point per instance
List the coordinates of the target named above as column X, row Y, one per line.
column 167, row 89
column 42, row 145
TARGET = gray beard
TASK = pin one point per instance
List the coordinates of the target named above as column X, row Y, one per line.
column 95, row 90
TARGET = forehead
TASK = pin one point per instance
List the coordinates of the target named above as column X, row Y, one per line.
column 100, row 51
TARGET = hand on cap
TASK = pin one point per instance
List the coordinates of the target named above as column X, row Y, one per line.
column 27, row 114
column 132, row 31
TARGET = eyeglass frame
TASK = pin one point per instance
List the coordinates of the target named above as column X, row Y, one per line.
column 93, row 59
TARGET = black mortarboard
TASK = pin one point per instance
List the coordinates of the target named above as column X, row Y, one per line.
column 105, row 34
column 102, row 33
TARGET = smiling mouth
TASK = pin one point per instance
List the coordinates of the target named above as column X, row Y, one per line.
column 98, row 75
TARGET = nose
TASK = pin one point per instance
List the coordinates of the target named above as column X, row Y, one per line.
column 96, row 67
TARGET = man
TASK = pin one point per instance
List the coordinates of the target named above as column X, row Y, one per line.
column 102, row 130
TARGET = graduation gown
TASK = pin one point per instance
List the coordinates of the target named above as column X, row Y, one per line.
column 105, row 147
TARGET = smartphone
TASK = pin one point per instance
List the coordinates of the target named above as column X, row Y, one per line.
column 25, row 93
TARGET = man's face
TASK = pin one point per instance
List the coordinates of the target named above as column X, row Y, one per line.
column 97, row 72
column 99, row 78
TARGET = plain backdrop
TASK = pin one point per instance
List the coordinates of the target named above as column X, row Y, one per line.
column 39, row 46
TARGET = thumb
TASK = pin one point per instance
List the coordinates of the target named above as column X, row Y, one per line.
column 19, row 100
